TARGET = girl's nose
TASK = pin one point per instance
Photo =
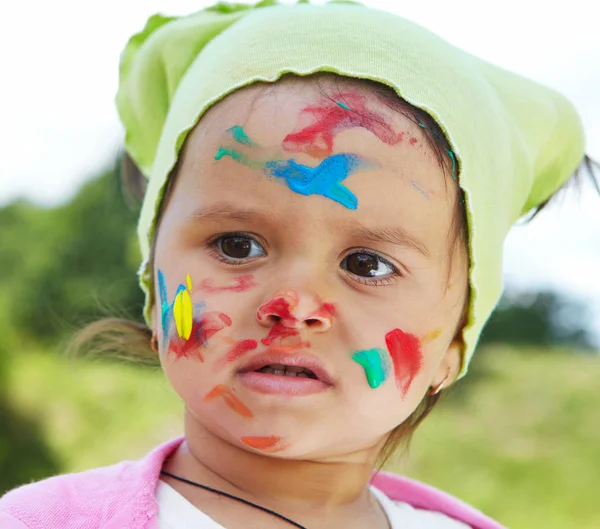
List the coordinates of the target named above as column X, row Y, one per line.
column 289, row 309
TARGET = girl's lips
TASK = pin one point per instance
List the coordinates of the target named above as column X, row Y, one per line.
column 271, row 383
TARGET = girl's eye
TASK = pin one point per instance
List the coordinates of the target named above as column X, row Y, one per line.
column 363, row 264
column 235, row 248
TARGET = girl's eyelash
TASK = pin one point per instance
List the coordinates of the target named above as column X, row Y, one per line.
column 212, row 247
column 375, row 281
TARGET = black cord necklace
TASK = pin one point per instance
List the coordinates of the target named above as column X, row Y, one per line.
column 227, row 495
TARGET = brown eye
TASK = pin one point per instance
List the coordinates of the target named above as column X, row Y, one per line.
column 237, row 247
column 367, row 265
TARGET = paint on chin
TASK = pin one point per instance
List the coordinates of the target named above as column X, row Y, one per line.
column 242, row 284
column 373, row 361
column 230, row 399
column 407, row 358
column 267, row 444
column 331, row 117
column 203, row 329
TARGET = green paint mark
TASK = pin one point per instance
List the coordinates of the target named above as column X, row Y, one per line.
column 453, row 163
column 374, row 364
column 422, row 125
column 343, row 105
column 238, row 157
column 240, row 136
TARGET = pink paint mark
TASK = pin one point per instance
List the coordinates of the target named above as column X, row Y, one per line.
column 405, row 350
column 413, row 141
column 220, row 390
column 316, row 139
column 243, row 284
column 325, row 311
column 202, row 330
column 240, row 349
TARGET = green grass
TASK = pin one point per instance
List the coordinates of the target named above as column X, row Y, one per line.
column 522, row 443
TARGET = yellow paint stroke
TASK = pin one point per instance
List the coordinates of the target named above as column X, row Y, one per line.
column 432, row 335
column 188, row 280
column 182, row 314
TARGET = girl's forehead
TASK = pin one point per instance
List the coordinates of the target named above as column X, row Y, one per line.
column 370, row 163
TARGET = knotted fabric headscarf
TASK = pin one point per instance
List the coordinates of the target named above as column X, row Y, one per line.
column 516, row 141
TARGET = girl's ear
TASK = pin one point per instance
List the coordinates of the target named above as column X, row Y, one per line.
column 449, row 366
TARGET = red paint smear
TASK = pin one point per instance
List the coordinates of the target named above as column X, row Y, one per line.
column 405, row 350
column 316, row 139
column 325, row 311
column 261, row 443
column 202, row 330
column 230, row 399
column 279, row 331
column 413, row 141
column 241, row 348
column 243, row 284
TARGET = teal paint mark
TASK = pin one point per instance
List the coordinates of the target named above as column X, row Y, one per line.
column 343, row 105
column 423, row 192
column 422, row 125
column 165, row 307
column 238, row 157
column 453, row 163
column 373, row 361
column 325, row 179
column 237, row 131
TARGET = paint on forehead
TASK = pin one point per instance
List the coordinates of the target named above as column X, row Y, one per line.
column 262, row 443
column 373, row 361
column 242, row 284
column 203, row 328
column 423, row 192
column 238, row 134
column 238, row 157
column 405, row 351
column 230, row 399
column 325, row 179
column 329, row 118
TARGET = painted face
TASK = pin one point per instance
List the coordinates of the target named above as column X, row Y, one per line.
column 307, row 295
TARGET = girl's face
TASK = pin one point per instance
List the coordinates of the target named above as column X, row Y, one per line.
column 307, row 292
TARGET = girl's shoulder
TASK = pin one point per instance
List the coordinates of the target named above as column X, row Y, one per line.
column 120, row 495
column 430, row 504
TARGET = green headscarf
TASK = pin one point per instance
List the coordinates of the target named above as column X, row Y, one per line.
column 516, row 141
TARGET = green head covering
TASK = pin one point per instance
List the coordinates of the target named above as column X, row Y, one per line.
column 516, row 141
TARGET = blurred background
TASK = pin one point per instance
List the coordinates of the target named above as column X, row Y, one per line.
column 519, row 437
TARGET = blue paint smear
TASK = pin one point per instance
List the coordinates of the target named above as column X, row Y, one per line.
column 325, row 179
column 165, row 307
column 424, row 193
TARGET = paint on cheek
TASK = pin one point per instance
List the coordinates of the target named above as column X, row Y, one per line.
column 431, row 336
column 373, row 361
column 164, row 302
column 424, row 193
column 405, row 351
column 325, row 179
column 242, row 284
column 262, row 443
column 183, row 309
column 231, row 400
column 329, row 118
column 202, row 330
column 413, row 141
column 240, row 349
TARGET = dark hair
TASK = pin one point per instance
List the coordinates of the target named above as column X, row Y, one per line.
column 131, row 340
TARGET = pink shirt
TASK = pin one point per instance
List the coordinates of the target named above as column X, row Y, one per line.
column 123, row 496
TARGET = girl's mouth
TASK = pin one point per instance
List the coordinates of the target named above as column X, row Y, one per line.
column 285, row 372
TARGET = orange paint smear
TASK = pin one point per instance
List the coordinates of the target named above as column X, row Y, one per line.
column 230, row 399
column 261, row 443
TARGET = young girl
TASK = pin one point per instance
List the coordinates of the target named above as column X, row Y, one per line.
column 329, row 190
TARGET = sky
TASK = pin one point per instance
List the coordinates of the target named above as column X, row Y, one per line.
column 59, row 126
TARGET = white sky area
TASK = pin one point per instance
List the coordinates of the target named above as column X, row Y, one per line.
column 59, row 126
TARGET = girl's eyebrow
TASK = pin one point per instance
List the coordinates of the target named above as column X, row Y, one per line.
column 222, row 211
column 393, row 235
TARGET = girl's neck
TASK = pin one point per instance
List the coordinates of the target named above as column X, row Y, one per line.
column 209, row 460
